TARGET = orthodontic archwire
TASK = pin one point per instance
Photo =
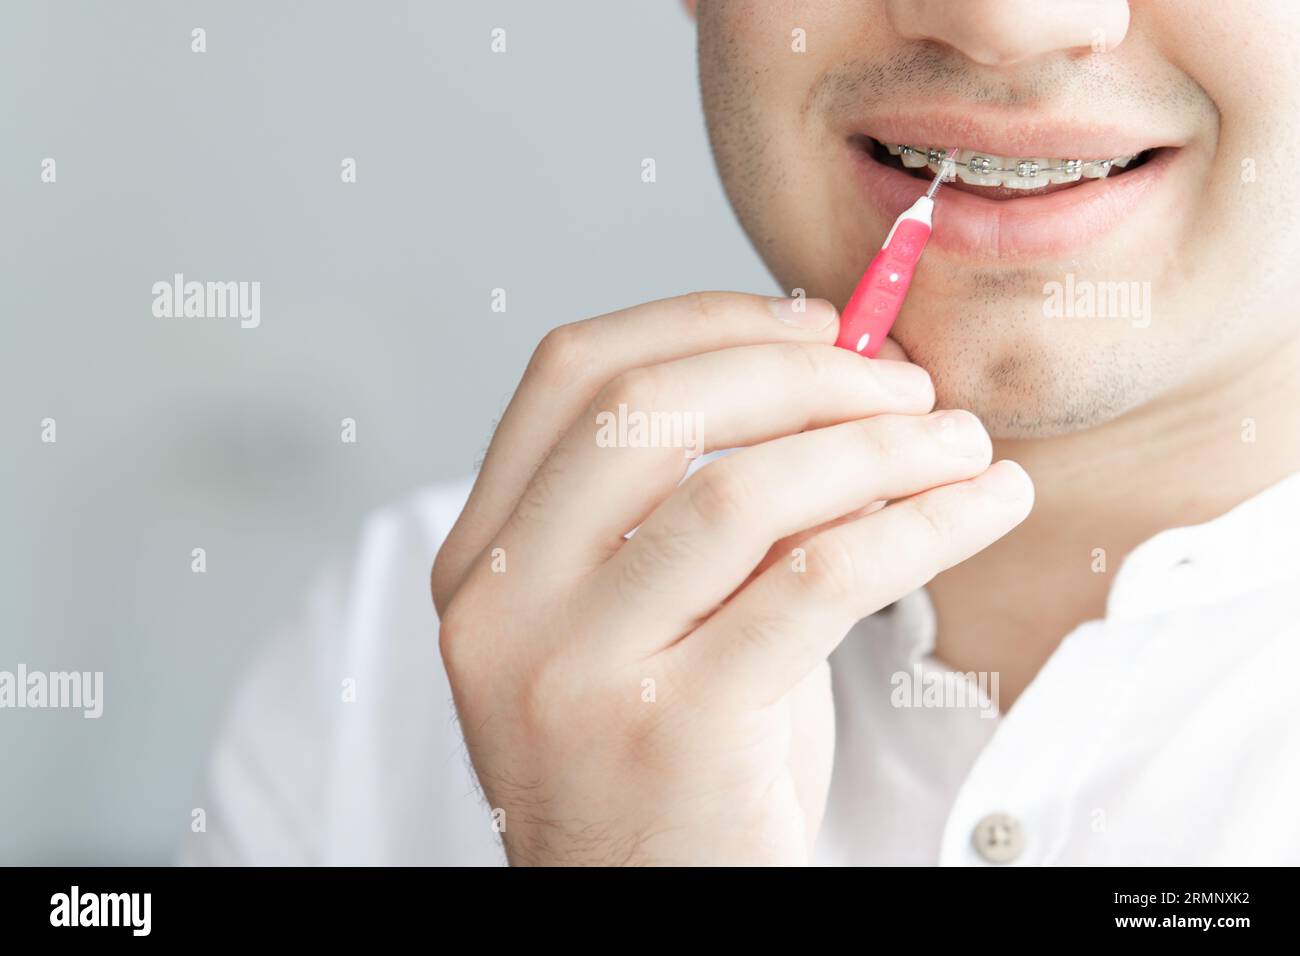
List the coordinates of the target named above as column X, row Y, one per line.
column 1026, row 169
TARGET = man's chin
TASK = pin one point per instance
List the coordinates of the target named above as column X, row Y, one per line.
column 1028, row 387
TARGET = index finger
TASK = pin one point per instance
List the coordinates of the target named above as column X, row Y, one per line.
column 573, row 362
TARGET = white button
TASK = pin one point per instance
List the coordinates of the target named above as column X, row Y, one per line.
column 998, row 838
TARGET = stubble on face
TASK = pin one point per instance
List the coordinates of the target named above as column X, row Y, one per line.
column 983, row 337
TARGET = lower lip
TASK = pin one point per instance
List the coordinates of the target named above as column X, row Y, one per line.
column 1035, row 227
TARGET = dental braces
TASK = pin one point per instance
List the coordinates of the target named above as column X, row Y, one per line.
column 1026, row 168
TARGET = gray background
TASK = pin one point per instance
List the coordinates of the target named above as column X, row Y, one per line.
column 476, row 170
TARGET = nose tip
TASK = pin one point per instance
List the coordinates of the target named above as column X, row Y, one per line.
column 999, row 33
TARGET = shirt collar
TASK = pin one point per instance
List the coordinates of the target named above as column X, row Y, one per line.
column 1247, row 549
column 1254, row 546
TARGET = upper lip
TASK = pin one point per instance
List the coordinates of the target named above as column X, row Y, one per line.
column 1014, row 134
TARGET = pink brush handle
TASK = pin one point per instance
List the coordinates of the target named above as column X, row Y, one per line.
column 867, row 319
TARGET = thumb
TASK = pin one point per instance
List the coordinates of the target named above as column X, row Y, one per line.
column 892, row 351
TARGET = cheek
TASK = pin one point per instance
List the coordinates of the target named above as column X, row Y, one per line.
column 1245, row 231
column 760, row 65
column 1244, row 60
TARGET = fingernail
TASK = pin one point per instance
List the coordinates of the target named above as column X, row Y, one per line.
column 1008, row 481
column 811, row 314
column 961, row 432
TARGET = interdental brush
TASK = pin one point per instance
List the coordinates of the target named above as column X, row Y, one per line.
column 876, row 302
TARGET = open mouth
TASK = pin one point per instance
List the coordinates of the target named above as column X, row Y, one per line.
column 1000, row 177
column 1025, row 206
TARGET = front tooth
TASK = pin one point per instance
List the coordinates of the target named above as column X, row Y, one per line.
column 971, row 161
column 1070, row 170
column 1028, row 173
column 913, row 158
column 1097, row 170
column 934, row 159
column 978, row 179
column 1031, row 173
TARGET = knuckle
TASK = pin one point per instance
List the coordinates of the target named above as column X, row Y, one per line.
column 563, row 354
column 443, row 578
column 649, row 559
column 764, row 634
column 640, row 389
column 806, row 360
column 835, row 566
column 933, row 520
column 724, row 493
column 710, row 306
column 879, row 439
column 453, row 628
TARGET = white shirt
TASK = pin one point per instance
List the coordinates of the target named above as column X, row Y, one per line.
column 1168, row 732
